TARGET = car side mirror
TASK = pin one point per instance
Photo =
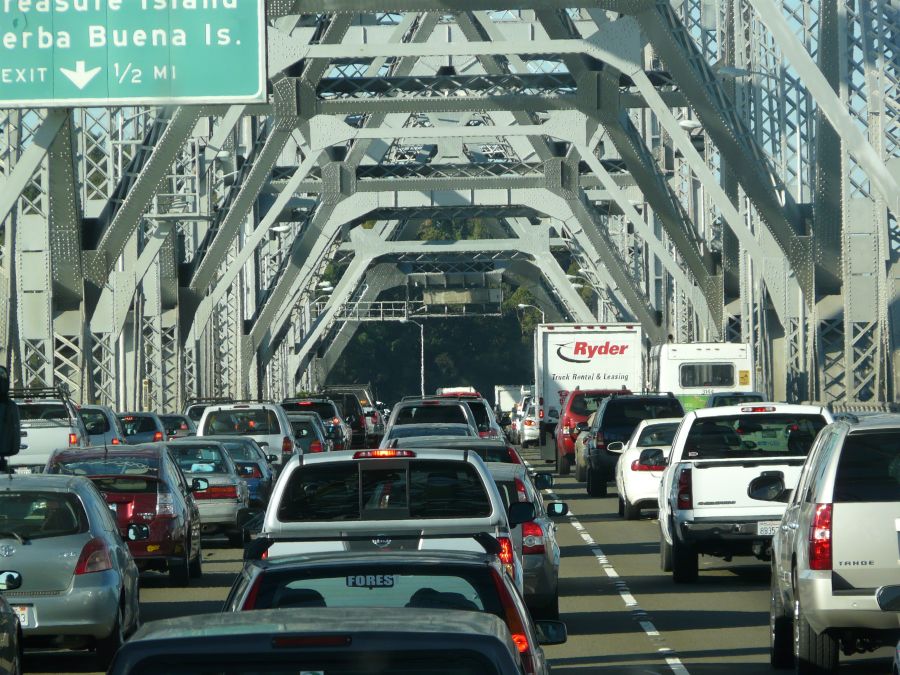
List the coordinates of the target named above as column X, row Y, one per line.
column 10, row 581
column 520, row 512
column 551, row 632
column 557, row 509
column 138, row 532
column 543, row 480
column 769, row 487
column 616, row 446
column 272, row 458
column 582, row 426
column 653, row 457
column 199, row 484
column 888, row 597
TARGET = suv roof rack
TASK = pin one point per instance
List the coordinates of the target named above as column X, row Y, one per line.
column 60, row 391
column 203, row 399
column 256, row 548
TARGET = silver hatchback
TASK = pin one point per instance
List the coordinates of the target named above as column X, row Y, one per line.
column 77, row 582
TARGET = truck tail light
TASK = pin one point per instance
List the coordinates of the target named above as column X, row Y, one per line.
column 315, row 446
column 685, row 490
column 73, row 440
column 820, row 538
column 532, row 538
column 520, row 490
column 94, row 558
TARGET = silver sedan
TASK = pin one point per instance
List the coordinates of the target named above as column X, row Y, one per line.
column 76, row 582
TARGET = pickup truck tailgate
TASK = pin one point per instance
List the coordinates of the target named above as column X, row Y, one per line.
column 720, row 486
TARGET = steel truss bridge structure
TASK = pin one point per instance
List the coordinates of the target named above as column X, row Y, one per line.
column 719, row 169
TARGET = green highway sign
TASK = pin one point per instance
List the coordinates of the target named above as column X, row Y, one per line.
column 131, row 52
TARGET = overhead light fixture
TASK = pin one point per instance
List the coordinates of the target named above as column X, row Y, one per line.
column 689, row 125
column 280, row 229
column 324, row 284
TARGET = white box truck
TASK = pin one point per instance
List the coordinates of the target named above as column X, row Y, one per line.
column 507, row 396
column 584, row 356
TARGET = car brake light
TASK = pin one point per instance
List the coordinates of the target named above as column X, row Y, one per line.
column 513, row 455
column 514, row 622
column 532, row 538
column 165, row 505
column 157, row 436
column 759, row 409
column 382, row 454
column 529, row 423
column 506, row 550
column 637, row 466
column 73, row 439
column 315, row 446
column 362, row 421
column 685, row 490
column 250, row 601
column 335, row 421
column 541, row 413
column 287, row 446
column 520, row 490
column 94, row 558
column 218, row 492
column 116, row 441
column 820, row 538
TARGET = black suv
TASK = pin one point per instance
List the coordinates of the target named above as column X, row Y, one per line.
column 337, row 428
column 351, row 410
column 615, row 421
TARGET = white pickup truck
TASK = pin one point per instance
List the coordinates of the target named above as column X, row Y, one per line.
column 703, row 502
column 49, row 421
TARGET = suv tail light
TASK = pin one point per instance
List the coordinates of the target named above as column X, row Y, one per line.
column 165, row 505
column 532, row 538
column 73, row 439
column 567, row 424
column 520, row 490
column 685, row 490
column 315, row 446
column 514, row 623
column 820, row 538
column 506, row 550
column 287, row 446
column 94, row 558
column 218, row 492
column 250, row 601
column 513, row 455
column 376, row 418
column 637, row 466
column 336, row 421
column 362, row 421
column 157, row 436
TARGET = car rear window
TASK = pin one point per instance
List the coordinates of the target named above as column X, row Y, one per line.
column 325, row 409
column 138, row 424
column 195, row 412
column 243, row 422
column 585, row 404
column 303, row 429
column 118, row 465
column 380, row 585
column 706, row 375
column 199, row 458
column 43, row 411
column 127, row 484
column 175, row 422
column 499, row 453
column 752, row 435
column 431, row 414
column 869, row 468
column 241, row 451
column 94, row 421
column 621, row 417
column 736, row 399
column 480, row 413
column 657, row 434
column 384, row 490
column 41, row 515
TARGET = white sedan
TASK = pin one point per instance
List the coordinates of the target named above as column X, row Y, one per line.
column 639, row 469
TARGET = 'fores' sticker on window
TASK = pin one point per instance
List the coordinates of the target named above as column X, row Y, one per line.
column 370, row 581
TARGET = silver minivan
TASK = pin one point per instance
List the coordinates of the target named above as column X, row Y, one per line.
column 836, row 545
column 265, row 423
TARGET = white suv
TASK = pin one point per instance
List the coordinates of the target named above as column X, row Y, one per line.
column 265, row 423
column 836, row 545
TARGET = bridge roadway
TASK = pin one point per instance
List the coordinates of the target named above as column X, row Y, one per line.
column 623, row 614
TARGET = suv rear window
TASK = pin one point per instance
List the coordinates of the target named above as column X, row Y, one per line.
column 752, row 435
column 869, row 468
column 243, row 422
column 117, row 465
column 585, row 404
column 706, row 375
column 94, row 421
column 43, row 411
column 325, row 409
column 621, row 416
column 384, row 490
column 431, row 414
column 41, row 515
column 657, row 434
column 480, row 413
column 137, row 424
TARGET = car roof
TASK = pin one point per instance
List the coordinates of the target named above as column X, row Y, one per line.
column 347, row 558
column 42, row 481
column 320, row 619
column 726, row 410
column 348, row 455
column 505, row 470
column 250, row 405
column 149, row 451
column 878, row 422
column 219, row 438
column 432, row 401
column 450, row 442
column 137, row 414
column 195, row 440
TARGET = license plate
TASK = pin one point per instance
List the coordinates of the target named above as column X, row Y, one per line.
column 767, row 528
column 22, row 612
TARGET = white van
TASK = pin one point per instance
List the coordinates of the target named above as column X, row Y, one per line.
column 694, row 371
column 265, row 423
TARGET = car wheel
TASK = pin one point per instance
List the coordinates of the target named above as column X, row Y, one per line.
column 596, row 483
column 665, row 553
column 563, row 463
column 684, row 562
column 815, row 654
column 196, row 566
column 630, row 511
column 180, row 570
column 580, row 473
column 107, row 647
column 781, row 630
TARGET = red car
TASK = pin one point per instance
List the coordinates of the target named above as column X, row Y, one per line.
column 578, row 407
column 143, row 486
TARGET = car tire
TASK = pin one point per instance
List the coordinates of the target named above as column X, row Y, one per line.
column 596, row 483
column 665, row 553
column 563, row 464
column 580, row 475
column 195, row 568
column 180, row 570
column 814, row 654
column 630, row 511
column 781, row 630
column 684, row 562
column 107, row 647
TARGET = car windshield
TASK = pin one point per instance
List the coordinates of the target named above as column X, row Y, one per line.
column 138, row 424
column 241, row 451
column 41, row 515
column 585, row 404
column 384, row 489
column 43, row 411
column 752, row 434
column 657, row 434
column 869, row 468
column 94, row 421
column 621, row 417
column 424, row 413
column 325, row 409
column 303, row 429
column 415, row 430
column 175, row 422
column 119, row 465
column 242, row 421
column 199, row 458
column 509, row 492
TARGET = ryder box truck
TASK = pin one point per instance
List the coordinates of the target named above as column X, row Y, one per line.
column 570, row 356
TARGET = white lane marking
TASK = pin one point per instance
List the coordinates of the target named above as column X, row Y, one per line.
column 668, row 654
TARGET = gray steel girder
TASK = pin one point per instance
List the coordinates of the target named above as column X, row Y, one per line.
column 65, row 221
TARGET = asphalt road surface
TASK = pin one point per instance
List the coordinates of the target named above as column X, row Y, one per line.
column 623, row 614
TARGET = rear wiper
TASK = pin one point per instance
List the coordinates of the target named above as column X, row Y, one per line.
column 12, row 535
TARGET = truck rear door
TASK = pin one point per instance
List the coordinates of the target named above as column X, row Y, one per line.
column 865, row 531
